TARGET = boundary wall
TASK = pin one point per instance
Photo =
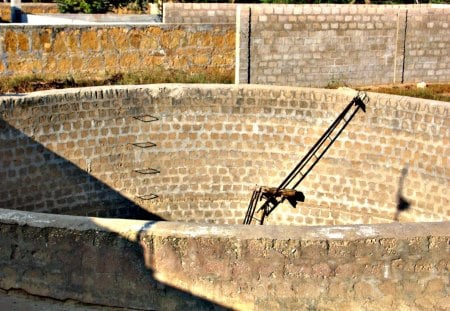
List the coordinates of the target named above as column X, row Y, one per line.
column 28, row 8
column 199, row 13
column 320, row 45
column 201, row 149
column 96, row 51
column 174, row 266
column 52, row 9
column 308, row 45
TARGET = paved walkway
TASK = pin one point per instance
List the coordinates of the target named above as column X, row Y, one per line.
column 13, row 301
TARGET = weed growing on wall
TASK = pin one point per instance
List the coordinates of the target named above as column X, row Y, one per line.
column 335, row 83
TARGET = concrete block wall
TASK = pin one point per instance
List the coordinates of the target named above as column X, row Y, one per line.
column 95, row 51
column 225, row 13
column 173, row 266
column 427, row 45
column 30, row 8
column 353, row 45
column 311, row 46
column 213, row 145
column 179, row 13
column 320, row 45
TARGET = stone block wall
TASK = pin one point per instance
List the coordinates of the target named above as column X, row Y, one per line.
column 173, row 266
column 201, row 149
column 95, row 51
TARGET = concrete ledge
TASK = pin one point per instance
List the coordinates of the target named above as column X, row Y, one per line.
column 173, row 266
column 131, row 228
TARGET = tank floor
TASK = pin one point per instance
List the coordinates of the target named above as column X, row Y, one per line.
column 19, row 301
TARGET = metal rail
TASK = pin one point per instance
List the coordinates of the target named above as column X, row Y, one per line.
column 272, row 197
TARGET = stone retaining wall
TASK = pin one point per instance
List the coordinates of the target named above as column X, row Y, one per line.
column 173, row 266
column 201, row 149
column 95, row 51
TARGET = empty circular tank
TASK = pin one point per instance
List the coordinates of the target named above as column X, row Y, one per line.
column 195, row 153
column 192, row 154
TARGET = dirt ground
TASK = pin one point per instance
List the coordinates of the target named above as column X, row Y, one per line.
column 439, row 92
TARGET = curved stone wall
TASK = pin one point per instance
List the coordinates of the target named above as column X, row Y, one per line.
column 179, row 266
column 199, row 150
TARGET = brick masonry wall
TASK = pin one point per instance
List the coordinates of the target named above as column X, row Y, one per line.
column 95, row 51
column 314, row 47
column 173, row 266
column 226, row 13
column 355, row 45
column 427, row 45
column 179, row 13
column 30, row 8
column 317, row 45
column 68, row 151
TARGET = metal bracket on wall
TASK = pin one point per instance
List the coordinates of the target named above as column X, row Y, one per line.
column 146, row 118
column 147, row 171
column 147, row 197
column 145, row 145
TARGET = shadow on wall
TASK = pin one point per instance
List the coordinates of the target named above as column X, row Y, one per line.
column 109, row 269
column 402, row 203
column 33, row 178
column 174, row 298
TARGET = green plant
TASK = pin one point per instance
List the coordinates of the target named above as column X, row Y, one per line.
column 94, row 6
column 83, row 6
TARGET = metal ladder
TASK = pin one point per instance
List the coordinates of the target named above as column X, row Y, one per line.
column 146, row 145
column 272, row 197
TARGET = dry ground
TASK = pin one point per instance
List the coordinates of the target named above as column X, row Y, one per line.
column 28, row 84
column 439, row 92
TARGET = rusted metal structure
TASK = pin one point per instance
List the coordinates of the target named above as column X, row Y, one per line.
column 271, row 197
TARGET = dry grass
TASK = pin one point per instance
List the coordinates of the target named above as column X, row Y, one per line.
column 439, row 92
column 31, row 83
column 26, row 84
